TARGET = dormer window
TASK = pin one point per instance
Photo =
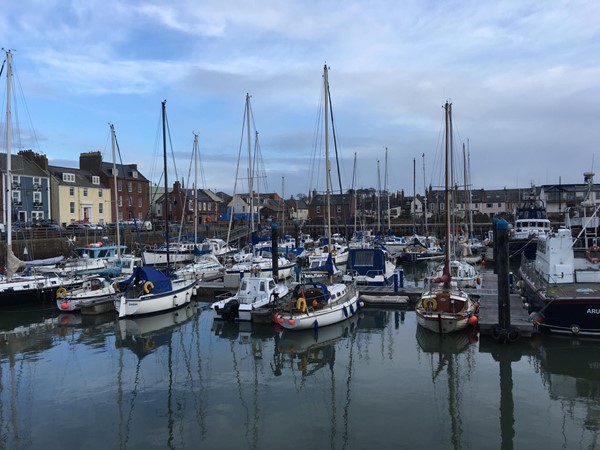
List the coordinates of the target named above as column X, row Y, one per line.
column 68, row 177
column 114, row 172
column 95, row 180
column 134, row 174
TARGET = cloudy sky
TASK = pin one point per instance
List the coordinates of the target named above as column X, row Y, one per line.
column 523, row 77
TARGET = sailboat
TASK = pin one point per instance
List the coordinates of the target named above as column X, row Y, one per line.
column 317, row 304
column 444, row 307
column 20, row 289
column 147, row 290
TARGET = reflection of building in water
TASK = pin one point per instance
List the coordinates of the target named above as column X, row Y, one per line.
column 571, row 370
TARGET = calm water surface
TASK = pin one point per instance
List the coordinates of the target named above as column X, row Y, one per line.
column 181, row 380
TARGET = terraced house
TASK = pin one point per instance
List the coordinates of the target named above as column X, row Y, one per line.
column 79, row 196
column 30, row 186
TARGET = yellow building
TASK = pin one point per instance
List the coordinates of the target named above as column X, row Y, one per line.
column 79, row 196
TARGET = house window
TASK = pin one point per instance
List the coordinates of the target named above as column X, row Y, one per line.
column 16, row 179
column 119, row 186
column 36, row 216
column 499, row 205
column 72, row 207
column 134, row 174
column 120, row 201
column 209, row 206
column 129, row 186
column 140, row 216
column 139, row 188
column 120, row 215
column 37, row 197
column 129, row 202
column 69, row 177
column 100, row 193
column 37, row 183
column 139, row 202
column 16, row 195
column 488, row 205
column 95, row 179
column 318, row 210
column 85, row 192
column 72, row 191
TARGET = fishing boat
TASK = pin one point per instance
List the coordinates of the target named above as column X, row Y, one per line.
column 531, row 222
column 254, row 293
column 315, row 304
column 94, row 258
column 147, row 290
column 443, row 306
column 561, row 286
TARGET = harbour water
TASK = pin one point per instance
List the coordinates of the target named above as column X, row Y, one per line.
column 182, row 380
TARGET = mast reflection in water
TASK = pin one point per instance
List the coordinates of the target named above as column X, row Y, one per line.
column 180, row 379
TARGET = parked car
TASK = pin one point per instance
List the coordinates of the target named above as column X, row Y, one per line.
column 47, row 225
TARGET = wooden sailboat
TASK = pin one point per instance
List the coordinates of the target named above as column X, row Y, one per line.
column 149, row 291
column 443, row 307
column 316, row 304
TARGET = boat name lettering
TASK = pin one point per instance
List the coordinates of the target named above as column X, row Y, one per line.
column 593, row 311
column 594, row 365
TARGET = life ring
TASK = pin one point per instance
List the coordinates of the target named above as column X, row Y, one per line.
column 61, row 292
column 148, row 286
column 301, row 304
column 116, row 286
column 589, row 251
column 430, row 303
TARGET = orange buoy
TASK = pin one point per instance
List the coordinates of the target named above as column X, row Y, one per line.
column 473, row 320
column 291, row 321
column 280, row 320
column 483, row 262
column 64, row 305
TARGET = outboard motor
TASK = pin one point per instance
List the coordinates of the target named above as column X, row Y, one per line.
column 230, row 310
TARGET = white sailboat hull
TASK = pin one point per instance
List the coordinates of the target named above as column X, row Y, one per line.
column 150, row 303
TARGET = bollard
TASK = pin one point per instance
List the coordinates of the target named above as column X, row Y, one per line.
column 396, row 276
column 401, row 272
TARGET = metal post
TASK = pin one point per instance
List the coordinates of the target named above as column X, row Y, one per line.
column 502, row 266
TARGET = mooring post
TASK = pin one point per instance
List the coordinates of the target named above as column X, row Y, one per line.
column 274, row 250
column 501, row 241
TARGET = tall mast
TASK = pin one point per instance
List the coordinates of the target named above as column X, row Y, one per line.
column 354, row 192
column 387, row 190
column 8, row 186
column 250, row 171
column 425, row 196
column 115, row 196
column 378, row 199
column 327, row 164
column 195, row 152
column 448, row 109
column 414, row 202
column 164, row 125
